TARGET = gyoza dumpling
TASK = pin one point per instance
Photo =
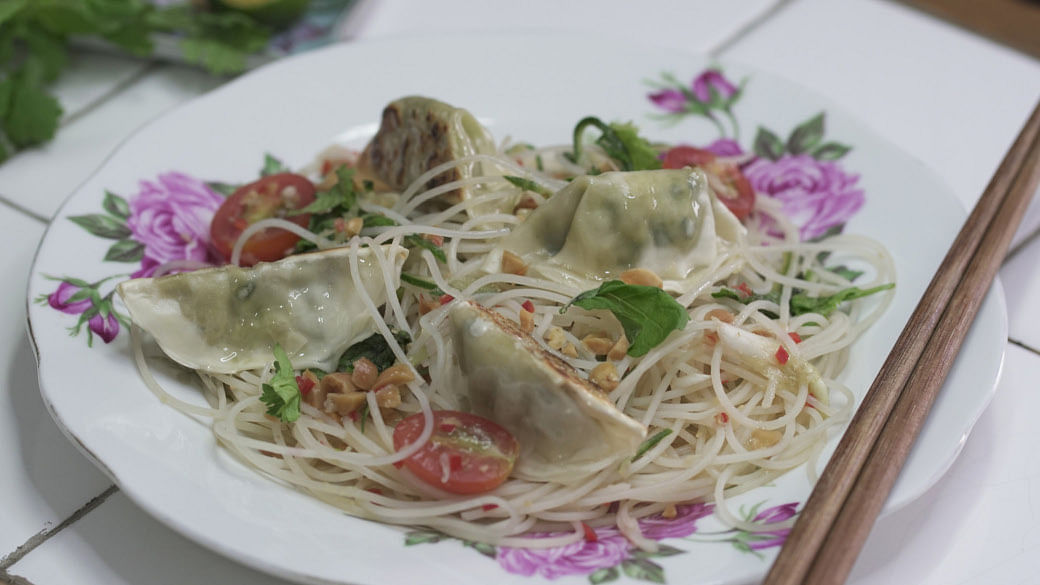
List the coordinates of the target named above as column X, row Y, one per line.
column 228, row 319
column 419, row 133
column 598, row 226
column 560, row 420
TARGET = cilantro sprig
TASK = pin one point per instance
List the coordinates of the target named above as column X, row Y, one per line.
column 34, row 37
column 621, row 142
column 647, row 314
column 282, row 394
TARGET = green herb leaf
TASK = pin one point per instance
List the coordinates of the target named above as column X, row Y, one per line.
column 647, row 314
column 375, row 348
column 651, row 442
column 806, row 135
column 802, row 303
column 423, row 284
column 273, row 166
column 340, row 199
column 621, row 142
column 417, row 241
column 282, row 394
column 528, row 185
column 768, row 145
column 377, row 220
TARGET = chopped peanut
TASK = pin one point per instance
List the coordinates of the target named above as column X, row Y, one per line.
column 344, row 404
column 337, row 383
column 388, row 396
column 527, row 202
column 513, row 264
column 353, row 227
column 569, row 350
column 669, row 512
column 641, row 276
column 395, row 374
column 720, row 314
column 555, row 338
column 619, row 350
column 762, row 438
column 427, row 304
column 365, row 373
column 597, row 344
column 526, row 321
column 605, row 376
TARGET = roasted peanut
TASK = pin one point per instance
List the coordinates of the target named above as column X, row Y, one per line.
column 605, row 376
column 641, row 276
column 513, row 264
column 388, row 396
column 365, row 373
column 395, row 374
column 555, row 338
column 526, row 321
column 569, row 350
column 619, row 350
column 597, row 344
column 337, row 383
column 344, row 404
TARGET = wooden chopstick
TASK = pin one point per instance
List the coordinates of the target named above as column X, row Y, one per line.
column 837, row 518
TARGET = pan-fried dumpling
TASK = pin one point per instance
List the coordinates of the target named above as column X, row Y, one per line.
column 227, row 319
column 667, row 221
column 561, row 420
column 419, row 133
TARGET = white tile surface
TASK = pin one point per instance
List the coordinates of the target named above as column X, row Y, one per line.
column 40, row 179
column 118, row 544
column 693, row 25
column 953, row 100
column 91, row 76
column 44, row 478
column 978, row 525
column 1021, row 277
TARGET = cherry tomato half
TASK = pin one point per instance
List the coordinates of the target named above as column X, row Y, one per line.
column 271, row 196
column 736, row 192
column 467, row 454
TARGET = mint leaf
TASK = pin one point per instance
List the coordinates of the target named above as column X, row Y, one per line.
column 647, row 314
column 375, row 348
column 802, row 303
column 282, row 394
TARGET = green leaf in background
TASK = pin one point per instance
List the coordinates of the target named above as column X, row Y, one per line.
column 272, row 165
column 806, row 135
column 102, row 226
column 31, row 115
column 125, row 251
column 831, row 151
column 116, row 205
column 647, row 314
column 767, row 144
column 216, row 56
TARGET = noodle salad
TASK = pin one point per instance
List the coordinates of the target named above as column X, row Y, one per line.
column 521, row 345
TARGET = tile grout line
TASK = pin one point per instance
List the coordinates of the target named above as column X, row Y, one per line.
column 4, row 200
column 748, row 28
column 45, row 534
column 112, row 92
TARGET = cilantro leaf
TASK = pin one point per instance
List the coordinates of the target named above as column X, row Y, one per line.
column 528, row 185
column 648, row 314
column 282, row 394
column 621, row 142
column 375, row 348
column 339, row 199
column 417, row 241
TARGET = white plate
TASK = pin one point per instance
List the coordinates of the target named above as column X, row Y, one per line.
column 533, row 88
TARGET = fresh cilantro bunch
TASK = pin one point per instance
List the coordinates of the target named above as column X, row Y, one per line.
column 34, row 37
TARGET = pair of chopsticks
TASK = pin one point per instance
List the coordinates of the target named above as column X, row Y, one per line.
column 825, row 541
